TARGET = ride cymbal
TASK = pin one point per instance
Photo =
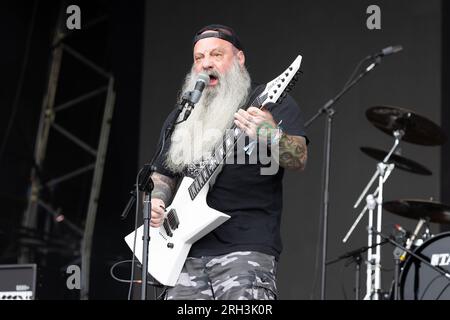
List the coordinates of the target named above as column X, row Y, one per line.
column 417, row 129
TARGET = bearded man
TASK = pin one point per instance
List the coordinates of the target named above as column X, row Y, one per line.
column 237, row 260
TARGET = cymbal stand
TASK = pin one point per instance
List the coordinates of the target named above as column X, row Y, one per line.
column 384, row 169
column 398, row 134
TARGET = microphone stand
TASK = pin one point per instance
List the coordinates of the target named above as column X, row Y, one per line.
column 355, row 256
column 146, row 185
column 329, row 111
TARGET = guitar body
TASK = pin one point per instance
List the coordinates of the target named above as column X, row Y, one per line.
column 167, row 254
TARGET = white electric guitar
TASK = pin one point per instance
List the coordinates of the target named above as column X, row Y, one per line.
column 189, row 218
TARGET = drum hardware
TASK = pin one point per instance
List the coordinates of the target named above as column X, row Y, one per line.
column 355, row 256
column 418, row 281
column 444, row 273
column 397, row 261
column 382, row 172
column 410, row 241
column 403, row 125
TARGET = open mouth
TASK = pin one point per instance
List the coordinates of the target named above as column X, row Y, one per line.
column 213, row 80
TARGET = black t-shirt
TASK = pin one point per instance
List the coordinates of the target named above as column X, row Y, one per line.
column 253, row 201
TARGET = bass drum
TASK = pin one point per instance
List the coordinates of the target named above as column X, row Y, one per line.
column 420, row 282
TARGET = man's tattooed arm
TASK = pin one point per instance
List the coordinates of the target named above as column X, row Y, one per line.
column 164, row 187
column 292, row 152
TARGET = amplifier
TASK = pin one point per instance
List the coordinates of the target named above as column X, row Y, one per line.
column 17, row 282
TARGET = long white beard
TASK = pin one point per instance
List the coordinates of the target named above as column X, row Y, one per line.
column 195, row 139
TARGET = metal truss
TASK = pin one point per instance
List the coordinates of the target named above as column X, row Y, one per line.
column 48, row 126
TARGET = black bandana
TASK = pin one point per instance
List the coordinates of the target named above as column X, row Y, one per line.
column 221, row 32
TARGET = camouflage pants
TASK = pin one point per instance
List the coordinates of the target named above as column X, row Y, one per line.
column 235, row 276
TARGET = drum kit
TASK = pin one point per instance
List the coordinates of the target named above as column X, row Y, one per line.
column 422, row 260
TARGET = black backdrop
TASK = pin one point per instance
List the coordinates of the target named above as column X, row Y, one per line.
column 332, row 37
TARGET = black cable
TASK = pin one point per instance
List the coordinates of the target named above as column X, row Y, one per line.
column 162, row 294
column 111, row 272
column 341, row 272
column 358, row 66
column 21, row 81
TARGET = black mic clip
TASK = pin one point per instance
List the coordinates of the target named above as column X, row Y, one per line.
column 186, row 98
column 187, row 104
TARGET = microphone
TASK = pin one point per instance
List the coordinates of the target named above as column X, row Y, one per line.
column 202, row 82
column 411, row 240
column 401, row 235
column 191, row 98
column 387, row 51
column 384, row 52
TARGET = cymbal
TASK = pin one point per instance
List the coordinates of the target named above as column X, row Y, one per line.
column 417, row 129
column 418, row 209
column 399, row 161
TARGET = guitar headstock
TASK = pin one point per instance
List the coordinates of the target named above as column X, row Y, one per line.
column 276, row 90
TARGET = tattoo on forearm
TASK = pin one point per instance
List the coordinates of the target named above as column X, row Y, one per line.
column 292, row 152
column 163, row 187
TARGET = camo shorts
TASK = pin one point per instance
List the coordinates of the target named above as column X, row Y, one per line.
column 238, row 275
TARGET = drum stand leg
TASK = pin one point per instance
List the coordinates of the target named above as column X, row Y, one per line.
column 384, row 169
column 373, row 290
column 358, row 260
column 370, row 271
column 397, row 255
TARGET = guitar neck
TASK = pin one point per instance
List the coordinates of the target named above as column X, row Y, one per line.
column 221, row 151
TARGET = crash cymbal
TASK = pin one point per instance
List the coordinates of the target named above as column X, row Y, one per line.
column 418, row 209
column 417, row 129
column 399, row 161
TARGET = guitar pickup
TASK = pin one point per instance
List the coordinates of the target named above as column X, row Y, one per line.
column 167, row 228
column 172, row 217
